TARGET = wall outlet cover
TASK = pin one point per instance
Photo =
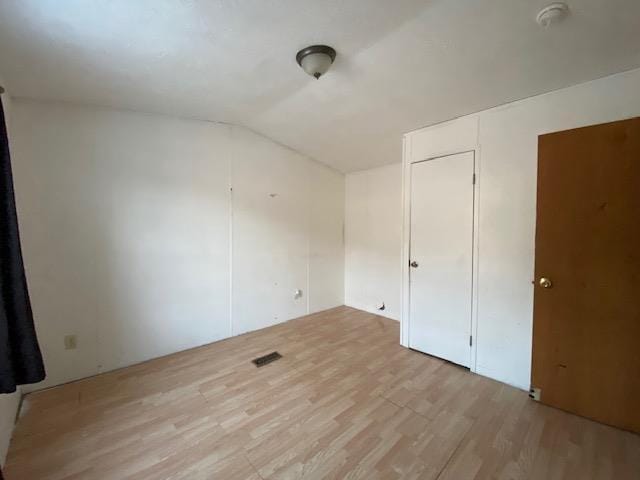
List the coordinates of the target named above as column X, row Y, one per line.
column 535, row 393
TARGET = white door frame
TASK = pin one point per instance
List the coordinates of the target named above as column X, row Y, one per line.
column 457, row 144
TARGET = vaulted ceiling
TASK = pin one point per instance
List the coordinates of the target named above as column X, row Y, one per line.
column 401, row 64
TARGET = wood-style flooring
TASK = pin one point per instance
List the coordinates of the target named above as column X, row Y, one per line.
column 346, row 401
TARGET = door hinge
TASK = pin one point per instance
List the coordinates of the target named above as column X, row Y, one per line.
column 470, row 341
column 474, row 179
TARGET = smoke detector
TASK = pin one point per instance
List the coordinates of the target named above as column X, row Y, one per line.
column 552, row 14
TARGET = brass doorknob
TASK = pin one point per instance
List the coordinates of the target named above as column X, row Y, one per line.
column 545, row 283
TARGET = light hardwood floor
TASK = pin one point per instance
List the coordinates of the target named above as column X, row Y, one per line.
column 346, row 401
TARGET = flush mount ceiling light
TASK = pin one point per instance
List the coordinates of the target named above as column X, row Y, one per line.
column 316, row 59
column 551, row 14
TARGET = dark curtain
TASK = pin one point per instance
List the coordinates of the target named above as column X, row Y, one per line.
column 20, row 357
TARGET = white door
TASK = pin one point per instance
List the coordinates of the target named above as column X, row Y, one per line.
column 441, row 257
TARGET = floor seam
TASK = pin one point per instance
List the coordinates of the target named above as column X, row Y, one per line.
column 245, row 454
column 390, row 401
column 455, row 450
column 407, row 407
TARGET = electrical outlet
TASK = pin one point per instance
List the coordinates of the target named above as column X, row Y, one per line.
column 535, row 393
column 70, row 342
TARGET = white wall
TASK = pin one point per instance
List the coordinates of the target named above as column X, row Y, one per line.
column 373, row 227
column 134, row 241
column 505, row 139
column 10, row 402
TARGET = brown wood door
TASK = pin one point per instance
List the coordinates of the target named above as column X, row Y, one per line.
column 586, row 329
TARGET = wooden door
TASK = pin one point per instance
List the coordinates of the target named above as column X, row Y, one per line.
column 586, row 332
column 441, row 256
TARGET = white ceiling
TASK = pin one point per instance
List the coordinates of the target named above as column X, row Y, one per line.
column 401, row 64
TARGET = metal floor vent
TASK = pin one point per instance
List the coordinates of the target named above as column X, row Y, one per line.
column 262, row 361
